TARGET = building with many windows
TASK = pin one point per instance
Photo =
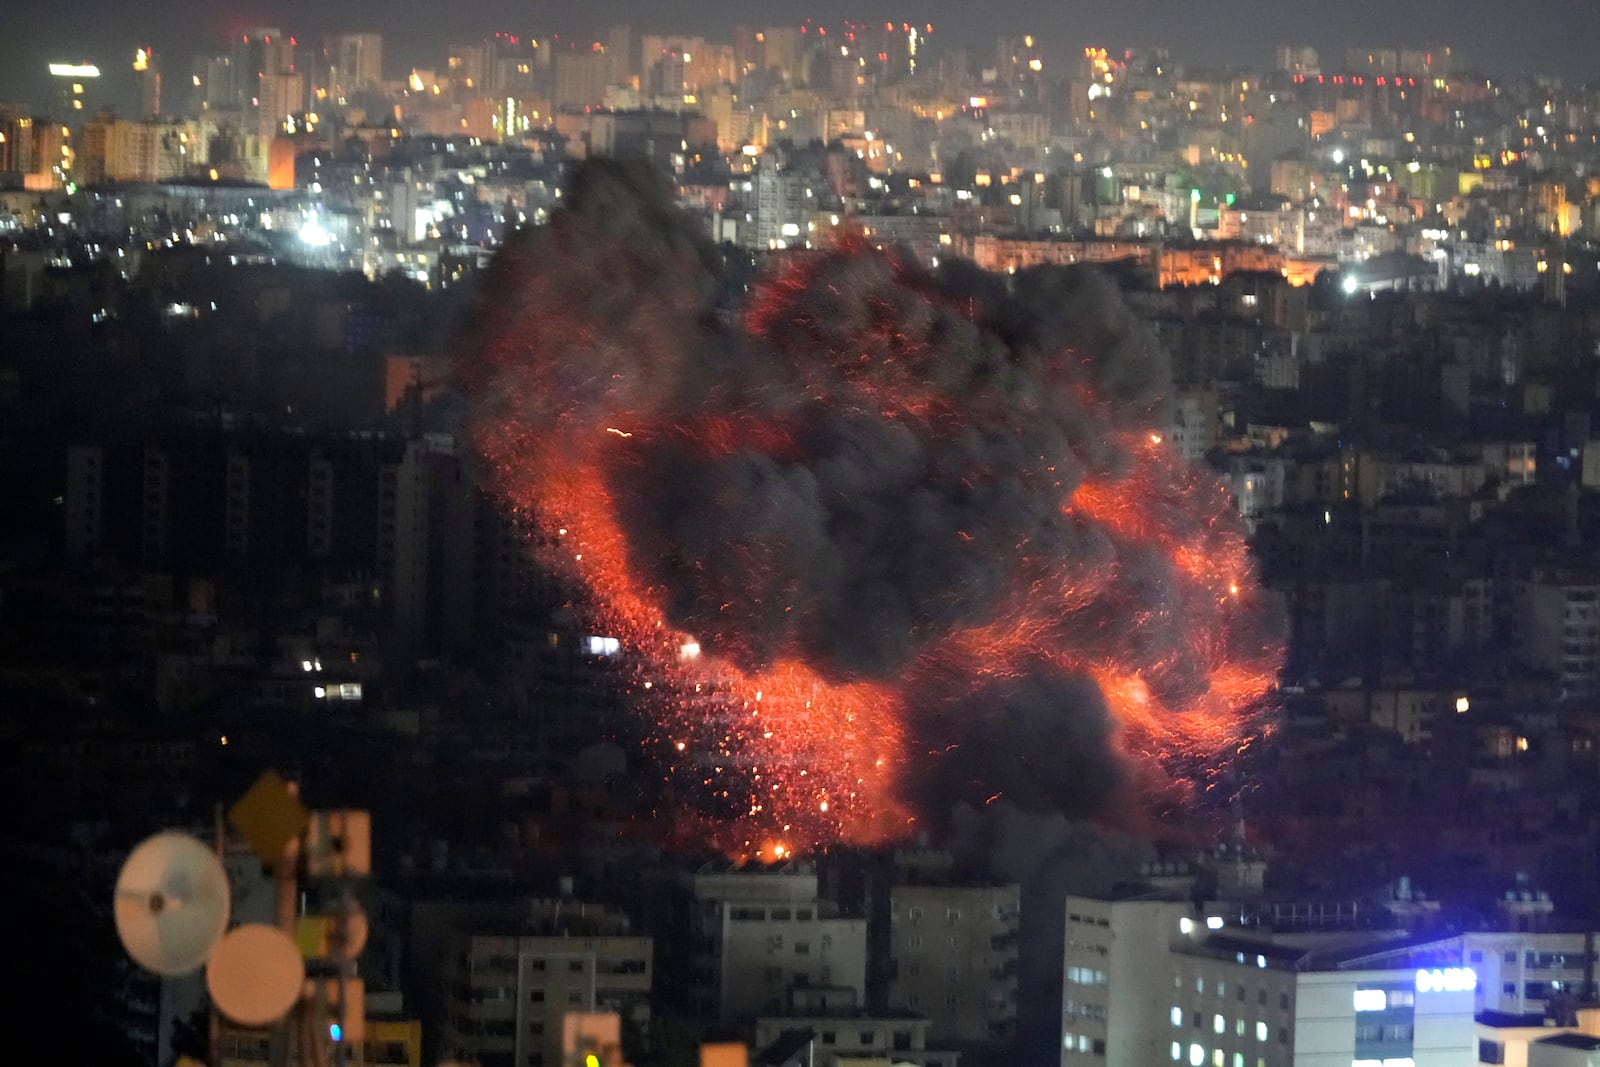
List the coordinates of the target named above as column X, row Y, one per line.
column 1153, row 981
column 507, row 991
column 953, row 956
column 762, row 938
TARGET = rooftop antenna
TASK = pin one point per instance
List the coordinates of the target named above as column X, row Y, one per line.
column 172, row 905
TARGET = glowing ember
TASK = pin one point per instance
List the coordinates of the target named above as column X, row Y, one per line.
column 880, row 543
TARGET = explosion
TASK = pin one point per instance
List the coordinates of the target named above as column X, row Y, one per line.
column 875, row 540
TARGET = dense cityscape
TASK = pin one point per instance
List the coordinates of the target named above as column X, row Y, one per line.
column 818, row 546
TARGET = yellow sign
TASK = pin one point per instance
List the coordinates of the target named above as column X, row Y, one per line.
column 269, row 816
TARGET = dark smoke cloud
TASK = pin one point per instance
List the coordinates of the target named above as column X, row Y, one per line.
column 861, row 460
column 1050, row 856
column 1038, row 739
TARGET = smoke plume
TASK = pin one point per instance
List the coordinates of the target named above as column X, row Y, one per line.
column 919, row 526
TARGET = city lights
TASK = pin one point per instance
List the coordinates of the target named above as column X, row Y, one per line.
column 811, row 530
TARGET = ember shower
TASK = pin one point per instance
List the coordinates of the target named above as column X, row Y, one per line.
column 875, row 540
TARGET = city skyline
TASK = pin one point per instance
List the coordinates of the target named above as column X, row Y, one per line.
column 1231, row 32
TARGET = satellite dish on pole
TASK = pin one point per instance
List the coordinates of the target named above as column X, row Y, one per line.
column 171, row 904
column 255, row 974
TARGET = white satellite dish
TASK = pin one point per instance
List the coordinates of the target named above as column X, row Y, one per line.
column 255, row 974
column 171, row 904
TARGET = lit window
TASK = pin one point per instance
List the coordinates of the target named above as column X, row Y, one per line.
column 1197, row 1056
column 1177, row 1016
column 1177, row 1051
column 1219, row 1024
column 1261, row 1031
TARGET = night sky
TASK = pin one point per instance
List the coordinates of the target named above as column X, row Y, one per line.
column 1551, row 37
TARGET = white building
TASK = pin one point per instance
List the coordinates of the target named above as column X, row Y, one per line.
column 506, row 994
column 1255, row 483
column 1151, row 982
column 762, row 935
column 849, row 1036
column 1519, row 971
column 785, row 206
column 1113, row 947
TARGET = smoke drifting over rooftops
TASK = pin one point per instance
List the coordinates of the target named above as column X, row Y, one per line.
column 920, row 525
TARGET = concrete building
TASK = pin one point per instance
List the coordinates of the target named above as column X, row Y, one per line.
column 1557, row 625
column 1112, row 947
column 953, row 955
column 1519, row 972
column 1155, row 982
column 785, row 202
column 762, row 937
column 352, row 61
column 506, row 992
column 830, row 1039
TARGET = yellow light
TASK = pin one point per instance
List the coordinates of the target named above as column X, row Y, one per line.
column 1462, row 705
column 591, row 1060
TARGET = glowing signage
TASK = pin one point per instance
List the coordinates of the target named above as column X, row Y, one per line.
column 1374, row 999
column 1447, row 980
column 75, row 70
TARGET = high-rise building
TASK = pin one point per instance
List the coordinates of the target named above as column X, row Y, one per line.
column 782, row 49
column 622, row 45
column 581, row 78
column 785, row 200
column 953, row 957
column 147, row 69
column 507, row 990
column 1296, row 59
column 256, row 53
column 212, row 84
column 73, row 81
column 351, row 62
column 761, row 936
column 467, row 65
column 277, row 97
column 1556, row 612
